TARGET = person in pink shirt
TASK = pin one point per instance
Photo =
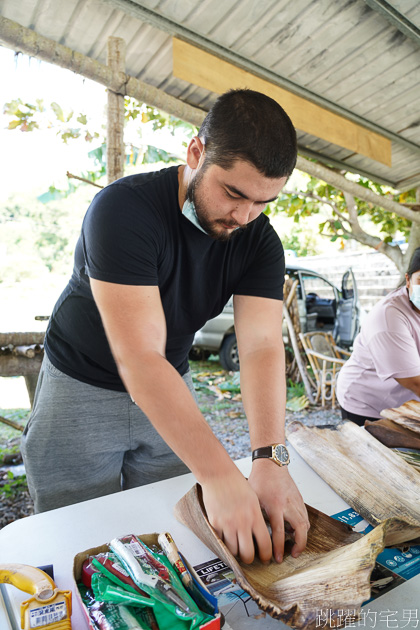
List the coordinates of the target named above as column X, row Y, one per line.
column 384, row 368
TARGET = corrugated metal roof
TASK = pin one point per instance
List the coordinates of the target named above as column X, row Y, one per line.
column 358, row 58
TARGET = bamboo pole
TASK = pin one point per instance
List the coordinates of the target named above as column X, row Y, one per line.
column 11, row 423
column 24, row 351
column 295, row 346
column 25, row 40
column 115, row 152
column 21, row 338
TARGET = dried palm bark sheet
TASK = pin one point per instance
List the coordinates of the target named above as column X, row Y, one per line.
column 370, row 477
column 407, row 415
column 392, row 434
column 332, row 573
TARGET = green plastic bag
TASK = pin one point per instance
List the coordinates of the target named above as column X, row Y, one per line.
column 106, row 591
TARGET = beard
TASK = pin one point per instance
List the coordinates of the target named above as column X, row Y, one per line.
column 216, row 228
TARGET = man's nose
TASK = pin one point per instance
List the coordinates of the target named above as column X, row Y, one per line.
column 241, row 213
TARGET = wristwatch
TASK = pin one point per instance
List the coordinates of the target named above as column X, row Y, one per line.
column 278, row 453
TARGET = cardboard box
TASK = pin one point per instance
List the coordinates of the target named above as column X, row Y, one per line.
column 148, row 539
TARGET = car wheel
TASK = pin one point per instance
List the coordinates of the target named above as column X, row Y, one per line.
column 228, row 353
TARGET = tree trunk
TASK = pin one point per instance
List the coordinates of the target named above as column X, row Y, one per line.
column 115, row 153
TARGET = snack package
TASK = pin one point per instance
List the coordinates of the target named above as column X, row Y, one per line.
column 106, row 616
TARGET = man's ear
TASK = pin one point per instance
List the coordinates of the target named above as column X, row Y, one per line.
column 195, row 153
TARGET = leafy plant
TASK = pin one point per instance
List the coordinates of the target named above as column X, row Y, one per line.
column 297, row 403
column 300, row 241
column 294, row 389
column 13, row 485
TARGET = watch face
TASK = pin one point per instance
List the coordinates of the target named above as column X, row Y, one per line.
column 281, row 453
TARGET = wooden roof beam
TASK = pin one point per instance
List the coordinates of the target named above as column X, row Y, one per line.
column 212, row 73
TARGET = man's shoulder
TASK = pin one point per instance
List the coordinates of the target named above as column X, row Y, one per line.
column 138, row 181
column 153, row 193
column 262, row 234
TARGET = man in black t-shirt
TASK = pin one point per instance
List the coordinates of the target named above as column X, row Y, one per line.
column 159, row 254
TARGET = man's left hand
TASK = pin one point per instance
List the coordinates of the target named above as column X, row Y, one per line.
column 282, row 502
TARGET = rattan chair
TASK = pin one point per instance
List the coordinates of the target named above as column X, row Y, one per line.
column 326, row 359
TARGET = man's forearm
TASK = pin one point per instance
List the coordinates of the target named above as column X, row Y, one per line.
column 161, row 393
column 263, row 386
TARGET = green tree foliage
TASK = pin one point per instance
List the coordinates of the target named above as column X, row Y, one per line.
column 71, row 126
column 341, row 216
column 319, row 195
column 38, row 236
column 301, row 241
column 344, row 217
column 29, row 116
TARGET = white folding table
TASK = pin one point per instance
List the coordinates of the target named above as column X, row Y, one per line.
column 55, row 537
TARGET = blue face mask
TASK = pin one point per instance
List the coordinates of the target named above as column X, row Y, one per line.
column 188, row 210
column 415, row 295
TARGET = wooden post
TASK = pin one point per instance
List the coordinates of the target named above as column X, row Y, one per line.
column 31, row 381
column 115, row 154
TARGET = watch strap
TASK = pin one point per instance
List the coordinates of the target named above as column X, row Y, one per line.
column 264, row 451
column 278, row 454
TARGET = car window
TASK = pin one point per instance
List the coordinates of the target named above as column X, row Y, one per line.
column 318, row 286
column 348, row 285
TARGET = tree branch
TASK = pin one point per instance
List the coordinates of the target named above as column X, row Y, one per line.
column 305, row 194
column 83, row 179
column 342, row 183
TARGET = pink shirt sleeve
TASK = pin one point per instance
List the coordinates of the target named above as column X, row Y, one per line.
column 394, row 352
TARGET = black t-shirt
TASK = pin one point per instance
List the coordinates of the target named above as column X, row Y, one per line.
column 134, row 233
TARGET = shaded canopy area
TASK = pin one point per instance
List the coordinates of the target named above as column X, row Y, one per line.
column 346, row 72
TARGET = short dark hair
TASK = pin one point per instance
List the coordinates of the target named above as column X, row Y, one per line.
column 414, row 263
column 248, row 125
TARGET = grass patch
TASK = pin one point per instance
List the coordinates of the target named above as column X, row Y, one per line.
column 10, row 437
column 20, row 416
column 12, row 485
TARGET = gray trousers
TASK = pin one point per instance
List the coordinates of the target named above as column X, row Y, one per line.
column 83, row 442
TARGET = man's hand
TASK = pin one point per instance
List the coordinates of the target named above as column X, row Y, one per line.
column 234, row 511
column 282, row 501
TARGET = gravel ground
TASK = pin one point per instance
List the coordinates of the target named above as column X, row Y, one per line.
column 219, row 399
column 231, row 428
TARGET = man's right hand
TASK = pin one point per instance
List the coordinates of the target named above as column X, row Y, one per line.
column 234, row 512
